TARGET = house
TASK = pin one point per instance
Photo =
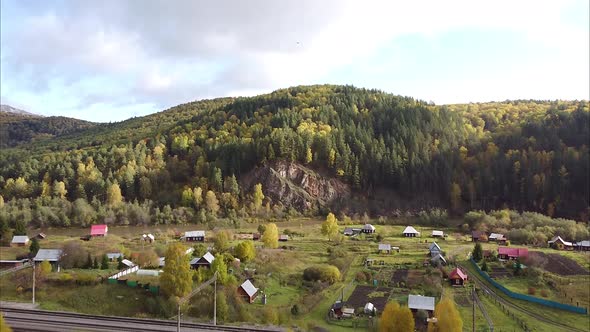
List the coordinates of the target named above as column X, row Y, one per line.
column 99, row 230
column 348, row 231
column 582, row 245
column 434, row 248
column 193, row 236
column 339, row 310
column 10, row 263
column 419, row 302
column 128, row 263
column 248, row 291
column 457, row 277
column 479, row 236
column 41, row 236
column 507, row 253
column 410, row 232
column 50, row 255
column 283, row 238
column 496, row 237
column 368, row 228
column 385, row 248
column 19, row 241
column 438, row 234
column 204, row 261
column 113, row 256
column 437, row 259
column 560, row 244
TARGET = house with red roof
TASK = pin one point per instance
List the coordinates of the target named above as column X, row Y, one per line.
column 507, row 253
column 99, row 230
column 457, row 277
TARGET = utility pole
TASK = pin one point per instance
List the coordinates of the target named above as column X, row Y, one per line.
column 178, row 327
column 33, row 282
column 215, row 304
column 473, row 307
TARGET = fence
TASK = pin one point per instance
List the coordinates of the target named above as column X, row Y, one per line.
column 528, row 298
column 124, row 272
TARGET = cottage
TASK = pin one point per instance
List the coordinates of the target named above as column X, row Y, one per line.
column 434, row 248
column 99, row 230
column 385, row 248
column 582, row 245
column 113, row 256
column 283, row 238
column 560, row 244
column 19, row 241
column 419, row 302
column 457, row 277
column 437, row 259
column 506, row 253
column 204, row 261
column 479, row 236
column 50, row 255
column 496, row 237
column 368, row 228
column 248, row 291
column 193, row 236
column 10, row 263
column 410, row 232
column 438, row 234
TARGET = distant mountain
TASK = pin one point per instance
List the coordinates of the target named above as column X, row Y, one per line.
column 13, row 110
column 18, row 126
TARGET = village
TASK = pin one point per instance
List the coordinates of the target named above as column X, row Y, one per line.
column 413, row 265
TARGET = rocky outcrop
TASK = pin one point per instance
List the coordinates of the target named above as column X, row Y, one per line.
column 296, row 186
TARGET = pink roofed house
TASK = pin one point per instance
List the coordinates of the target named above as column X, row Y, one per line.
column 506, row 253
column 99, row 230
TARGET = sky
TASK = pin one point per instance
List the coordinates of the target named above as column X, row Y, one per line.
column 107, row 61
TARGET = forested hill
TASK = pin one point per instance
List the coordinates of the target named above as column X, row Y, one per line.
column 186, row 164
column 17, row 126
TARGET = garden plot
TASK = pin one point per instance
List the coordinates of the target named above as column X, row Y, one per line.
column 558, row 264
column 363, row 294
column 499, row 272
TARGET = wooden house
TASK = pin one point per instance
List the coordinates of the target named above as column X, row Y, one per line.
column 248, row 291
column 457, row 277
column 419, row 302
column 283, row 238
column 368, row 228
column 479, row 236
column 194, row 236
column 99, row 230
column 19, row 241
column 410, row 231
column 51, row 255
column 508, row 253
column 438, row 234
column 560, row 244
column 385, row 248
column 204, row 261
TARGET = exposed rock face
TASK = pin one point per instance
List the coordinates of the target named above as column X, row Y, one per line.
column 296, row 186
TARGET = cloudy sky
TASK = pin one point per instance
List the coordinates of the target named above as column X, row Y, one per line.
column 111, row 60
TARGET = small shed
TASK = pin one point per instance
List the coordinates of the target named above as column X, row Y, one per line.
column 368, row 228
column 479, row 236
column 369, row 308
column 434, row 248
column 438, row 259
column 19, row 241
column 128, row 263
column 560, row 244
column 457, row 277
column 385, row 248
column 419, row 302
column 410, row 231
column 113, row 256
column 194, row 236
column 50, row 255
column 283, row 237
column 204, row 261
column 41, row 236
column 497, row 237
column 99, row 230
column 438, row 234
column 248, row 291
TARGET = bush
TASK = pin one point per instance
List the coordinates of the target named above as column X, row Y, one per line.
column 295, row 310
column 544, row 293
column 532, row 290
column 326, row 273
column 360, row 277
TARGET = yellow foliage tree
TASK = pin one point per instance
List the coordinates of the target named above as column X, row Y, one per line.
column 114, row 195
column 404, row 321
column 270, row 238
column 3, row 325
column 176, row 279
column 387, row 321
column 330, row 226
column 448, row 318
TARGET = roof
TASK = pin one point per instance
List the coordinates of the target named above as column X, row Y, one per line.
column 585, row 243
column 194, row 234
column 51, row 255
column 209, row 257
column 128, row 263
column 338, row 305
column 477, row 234
column 457, row 272
column 438, row 233
column 420, row 302
column 410, row 230
column 20, row 239
column 513, row 252
column 558, row 238
column 384, row 246
column 98, row 229
column 249, row 288
column 114, row 255
column 162, row 261
column 347, row 230
column 439, row 257
column 496, row 236
column 434, row 247
column 369, row 226
column 283, row 237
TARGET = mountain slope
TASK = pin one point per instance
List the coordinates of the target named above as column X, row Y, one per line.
column 13, row 110
column 529, row 155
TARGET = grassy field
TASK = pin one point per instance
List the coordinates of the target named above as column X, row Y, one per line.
column 279, row 274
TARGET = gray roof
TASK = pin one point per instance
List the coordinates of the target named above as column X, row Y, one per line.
column 585, row 243
column 209, row 257
column 410, row 230
column 192, row 262
column 162, row 261
column 249, row 288
column 194, row 234
column 434, row 247
column 437, row 233
column 369, row 227
column 20, row 239
column 384, row 246
column 439, row 257
column 558, row 238
column 51, row 255
column 420, row 302
column 128, row 263
column 496, row 236
column 114, row 255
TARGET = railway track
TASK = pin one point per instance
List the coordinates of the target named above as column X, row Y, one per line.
column 41, row 320
column 481, row 284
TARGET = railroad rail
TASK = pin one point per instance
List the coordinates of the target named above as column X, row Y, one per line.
column 42, row 320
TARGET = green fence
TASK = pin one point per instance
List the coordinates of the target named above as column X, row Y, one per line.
column 547, row 303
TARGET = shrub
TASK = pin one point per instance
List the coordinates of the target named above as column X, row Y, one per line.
column 544, row 293
column 532, row 290
column 326, row 273
column 295, row 310
column 360, row 277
